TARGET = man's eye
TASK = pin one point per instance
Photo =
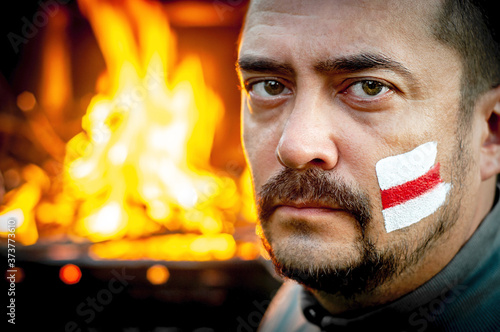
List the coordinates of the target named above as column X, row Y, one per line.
column 268, row 89
column 368, row 89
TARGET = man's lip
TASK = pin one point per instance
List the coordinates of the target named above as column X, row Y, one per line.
column 306, row 211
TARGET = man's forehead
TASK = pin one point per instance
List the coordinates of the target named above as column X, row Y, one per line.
column 300, row 7
column 260, row 10
column 280, row 28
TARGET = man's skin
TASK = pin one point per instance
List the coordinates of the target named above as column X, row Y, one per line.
column 302, row 110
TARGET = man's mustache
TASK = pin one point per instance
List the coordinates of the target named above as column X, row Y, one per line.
column 314, row 186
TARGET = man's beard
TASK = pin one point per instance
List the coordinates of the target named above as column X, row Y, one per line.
column 374, row 266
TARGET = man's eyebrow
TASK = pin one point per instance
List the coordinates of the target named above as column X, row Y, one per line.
column 264, row 65
column 360, row 62
column 350, row 64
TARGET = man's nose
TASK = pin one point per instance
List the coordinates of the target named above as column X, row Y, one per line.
column 308, row 140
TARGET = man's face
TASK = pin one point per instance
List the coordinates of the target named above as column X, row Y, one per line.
column 332, row 88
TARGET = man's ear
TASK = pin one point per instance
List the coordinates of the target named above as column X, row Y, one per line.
column 490, row 149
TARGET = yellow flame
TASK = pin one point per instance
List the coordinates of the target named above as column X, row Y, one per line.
column 148, row 136
column 174, row 247
column 20, row 206
column 141, row 165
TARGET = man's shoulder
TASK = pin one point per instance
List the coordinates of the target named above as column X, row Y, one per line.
column 284, row 312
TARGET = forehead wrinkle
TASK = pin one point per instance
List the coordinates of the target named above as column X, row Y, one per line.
column 271, row 7
column 336, row 8
column 277, row 20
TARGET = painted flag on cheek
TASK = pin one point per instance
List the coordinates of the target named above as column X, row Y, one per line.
column 410, row 186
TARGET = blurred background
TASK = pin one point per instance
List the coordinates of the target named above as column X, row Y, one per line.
column 122, row 177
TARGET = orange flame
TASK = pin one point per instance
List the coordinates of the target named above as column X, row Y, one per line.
column 141, row 165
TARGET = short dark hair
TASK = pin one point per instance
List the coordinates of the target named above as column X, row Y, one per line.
column 465, row 26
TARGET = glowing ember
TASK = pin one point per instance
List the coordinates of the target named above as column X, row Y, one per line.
column 70, row 274
column 138, row 176
column 157, row 274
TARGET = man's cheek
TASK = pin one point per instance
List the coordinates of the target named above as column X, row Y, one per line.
column 410, row 186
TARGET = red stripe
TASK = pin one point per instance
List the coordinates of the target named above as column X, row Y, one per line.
column 411, row 189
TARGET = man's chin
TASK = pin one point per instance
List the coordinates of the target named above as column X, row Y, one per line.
column 348, row 271
column 325, row 279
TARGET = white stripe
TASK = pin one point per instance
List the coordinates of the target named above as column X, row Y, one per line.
column 414, row 210
column 395, row 170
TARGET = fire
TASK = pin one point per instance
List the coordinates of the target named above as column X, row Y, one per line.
column 138, row 178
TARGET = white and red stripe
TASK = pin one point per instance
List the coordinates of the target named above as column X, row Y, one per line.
column 410, row 186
